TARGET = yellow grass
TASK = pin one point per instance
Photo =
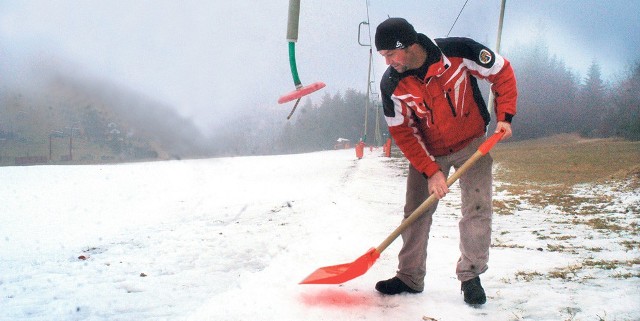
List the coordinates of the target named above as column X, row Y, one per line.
column 567, row 160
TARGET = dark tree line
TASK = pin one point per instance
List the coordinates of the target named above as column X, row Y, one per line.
column 552, row 99
column 341, row 116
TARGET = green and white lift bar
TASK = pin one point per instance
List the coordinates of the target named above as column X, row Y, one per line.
column 292, row 38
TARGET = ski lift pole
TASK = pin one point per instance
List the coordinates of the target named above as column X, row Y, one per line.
column 292, row 38
column 502, row 5
column 367, row 98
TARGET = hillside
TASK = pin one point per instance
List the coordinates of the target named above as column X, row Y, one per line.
column 68, row 120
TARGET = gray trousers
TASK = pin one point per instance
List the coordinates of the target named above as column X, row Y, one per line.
column 474, row 226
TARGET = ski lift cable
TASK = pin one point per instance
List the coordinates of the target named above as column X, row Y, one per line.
column 368, row 20
column 459, row 13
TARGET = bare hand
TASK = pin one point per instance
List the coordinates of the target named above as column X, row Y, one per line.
column 438, row 185
column 507, row 129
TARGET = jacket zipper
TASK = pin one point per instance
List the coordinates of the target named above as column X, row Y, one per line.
column 453, row 109
column 430, row 111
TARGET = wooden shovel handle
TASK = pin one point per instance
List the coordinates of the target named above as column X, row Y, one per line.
column 482, row 150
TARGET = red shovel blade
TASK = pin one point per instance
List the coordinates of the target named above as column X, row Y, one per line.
column 303, row 91
column 341, row 273
column 490, row 142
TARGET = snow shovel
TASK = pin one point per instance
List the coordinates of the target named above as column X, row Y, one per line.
column 341, row 273
column 292, row 38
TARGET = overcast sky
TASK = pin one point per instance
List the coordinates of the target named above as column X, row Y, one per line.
column 211, row 58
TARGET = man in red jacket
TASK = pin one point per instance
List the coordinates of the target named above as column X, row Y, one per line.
column 438, row 119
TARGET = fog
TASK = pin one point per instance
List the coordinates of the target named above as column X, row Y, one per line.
column 210, row 60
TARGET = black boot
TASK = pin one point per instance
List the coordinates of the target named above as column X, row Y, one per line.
column 473, row 291
column 394, row 286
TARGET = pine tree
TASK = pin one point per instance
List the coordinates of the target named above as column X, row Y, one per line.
column 592, row 107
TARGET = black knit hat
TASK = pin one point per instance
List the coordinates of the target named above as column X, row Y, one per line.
column 395, row 33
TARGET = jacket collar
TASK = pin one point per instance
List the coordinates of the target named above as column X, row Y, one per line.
column 435, row 64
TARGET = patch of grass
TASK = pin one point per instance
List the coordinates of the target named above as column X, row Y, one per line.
column 560, row 248
column 528, row 276
column 631, row 244
column 570, row 272
column 620, row 275
column 602, row 264
column 567, row 273
column 539, row 235
column 506, row 246
column 604, row 224
column 564, row 237
column 502, row 207
column 543, row 173
column 567, row 160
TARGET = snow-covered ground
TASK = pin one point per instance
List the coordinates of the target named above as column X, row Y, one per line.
column 230, row 238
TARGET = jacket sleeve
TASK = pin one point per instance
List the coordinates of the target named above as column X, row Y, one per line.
column 505, row 92
column 403, row 128
column 485, row 64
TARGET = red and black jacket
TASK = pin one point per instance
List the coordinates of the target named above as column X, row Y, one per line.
column 438, row 109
